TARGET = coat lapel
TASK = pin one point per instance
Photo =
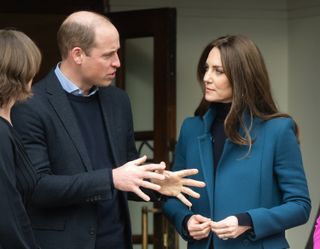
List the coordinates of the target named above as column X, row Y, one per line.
column 59, row 101
column 206, row 157
column 206, row 160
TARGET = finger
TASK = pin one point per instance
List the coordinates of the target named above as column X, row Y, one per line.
column 186, row 172
column 222, row 236
column 149, row 185
column 218, row 225
column 161, row 171
column 222, row 231
column 163, row 164
column 153, row 175
column 142, row 195
column 201, row 218
column 200, row 233
column 202, row 236
column 193, row 183
column 154, row 166
column 190, row 192
column 205, row 226
column 140, row 160
column 184, row 200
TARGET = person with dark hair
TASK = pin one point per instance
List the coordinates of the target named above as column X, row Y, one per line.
column 20, row 61
column 247, row 153
column 78, row 132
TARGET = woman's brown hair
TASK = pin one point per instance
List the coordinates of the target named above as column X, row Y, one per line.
column 20, row 61
column 246, row 71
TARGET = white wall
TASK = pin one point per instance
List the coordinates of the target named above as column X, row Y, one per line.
column 288, row 35
column 198, row 25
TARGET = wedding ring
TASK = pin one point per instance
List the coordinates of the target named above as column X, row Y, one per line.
column 224, row 238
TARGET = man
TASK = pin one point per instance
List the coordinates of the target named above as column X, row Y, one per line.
column 78, row 132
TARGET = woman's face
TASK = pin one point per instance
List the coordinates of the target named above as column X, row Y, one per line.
column 217, row 85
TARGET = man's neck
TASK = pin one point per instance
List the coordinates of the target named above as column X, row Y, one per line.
column 67, row 71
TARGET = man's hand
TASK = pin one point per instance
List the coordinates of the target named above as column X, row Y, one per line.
column 198, row 226
column 228, row 228
column 175, row 184
column 131, row 176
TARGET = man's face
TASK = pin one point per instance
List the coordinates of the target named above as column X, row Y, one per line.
column 100, row 65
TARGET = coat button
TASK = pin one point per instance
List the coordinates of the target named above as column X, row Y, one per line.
column 245, row 242
column 92, row 231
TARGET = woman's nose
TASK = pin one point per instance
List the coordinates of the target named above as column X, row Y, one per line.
column 207, row 77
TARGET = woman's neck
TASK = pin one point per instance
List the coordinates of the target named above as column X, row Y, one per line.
column 5, row 112
column 222, row 110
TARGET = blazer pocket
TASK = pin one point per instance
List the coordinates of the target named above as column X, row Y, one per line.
column 48, row 222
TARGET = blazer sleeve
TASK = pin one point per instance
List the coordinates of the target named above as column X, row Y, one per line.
column 56, row 189
column 173, row 208
column 295, row 205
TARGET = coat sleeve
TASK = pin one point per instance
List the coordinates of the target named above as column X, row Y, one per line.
column 173, row 208
column 56, row 189
column 288, row 171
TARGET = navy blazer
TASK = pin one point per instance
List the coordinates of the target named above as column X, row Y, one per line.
column 269, row 183
column 62, row 212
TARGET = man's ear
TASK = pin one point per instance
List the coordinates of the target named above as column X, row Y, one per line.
column 77, row 55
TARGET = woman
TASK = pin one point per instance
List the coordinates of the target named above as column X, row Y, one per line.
column 246, row 151
column 20, row 61
column 316, row 235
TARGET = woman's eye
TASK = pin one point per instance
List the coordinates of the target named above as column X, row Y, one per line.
column 218, row 71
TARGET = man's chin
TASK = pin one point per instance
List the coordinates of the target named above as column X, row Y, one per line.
column 104, row 83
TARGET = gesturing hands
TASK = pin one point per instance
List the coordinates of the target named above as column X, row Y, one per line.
column 199, row 227
column 175, row 184
column 133, row 175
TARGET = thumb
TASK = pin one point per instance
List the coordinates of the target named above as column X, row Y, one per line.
column 201, row 218
column 162, row 171
column 163, row 163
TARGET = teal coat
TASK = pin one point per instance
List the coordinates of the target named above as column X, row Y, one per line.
column 269, row 183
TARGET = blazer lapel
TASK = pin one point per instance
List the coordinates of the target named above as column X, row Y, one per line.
column 108, row 116
column 59, row 101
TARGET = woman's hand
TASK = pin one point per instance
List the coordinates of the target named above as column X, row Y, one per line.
column 177, row 184
column 228, row 228
column 199, row 226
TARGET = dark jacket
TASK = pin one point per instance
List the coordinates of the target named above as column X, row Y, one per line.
column 17, row 181
column 62, row 212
